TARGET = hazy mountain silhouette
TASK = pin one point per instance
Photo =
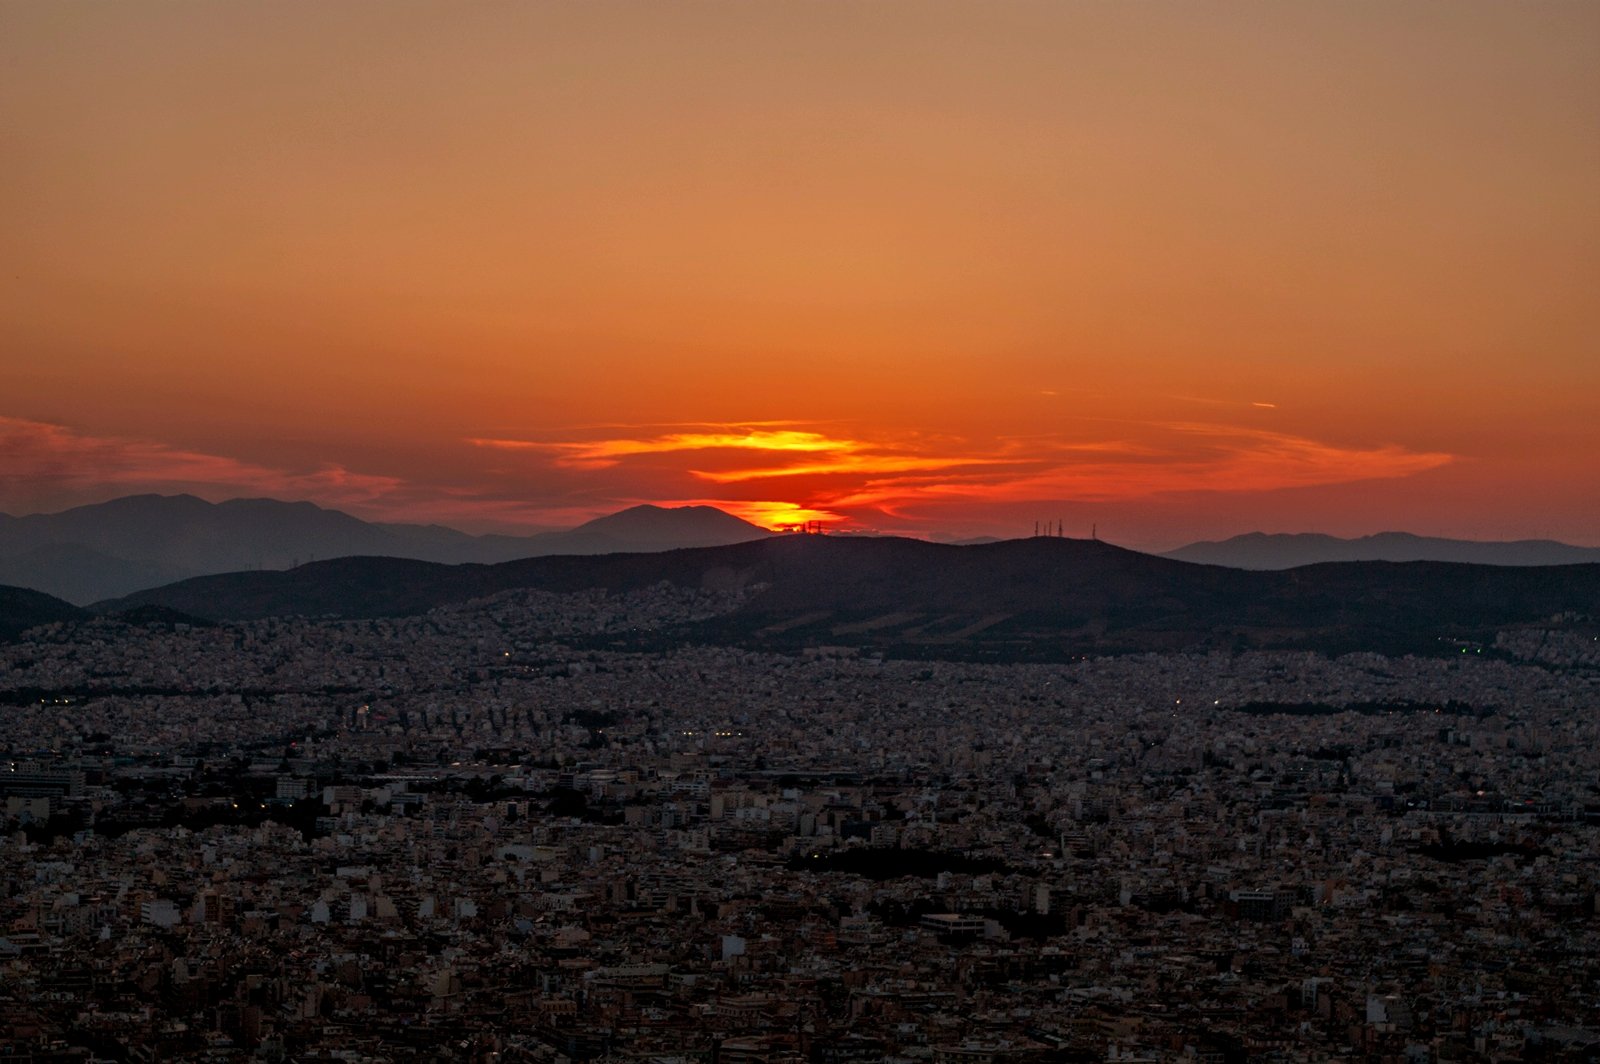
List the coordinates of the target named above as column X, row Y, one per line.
column 114, row 548
column 1261, row 550
column 1038, row 598
column 647, row 528
column 80, row 574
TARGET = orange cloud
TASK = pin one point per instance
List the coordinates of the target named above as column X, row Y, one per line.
column 1195, row 457
column 843, row 456
column 841, row 479
column 849, row 479
column 602, row 453
column 36, row 457
column 46, row 466
column 858, row 465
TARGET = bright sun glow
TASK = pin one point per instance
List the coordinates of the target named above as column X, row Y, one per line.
column 778, row 515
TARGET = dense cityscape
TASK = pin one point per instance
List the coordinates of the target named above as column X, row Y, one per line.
column 800, row 532
column 480, row 834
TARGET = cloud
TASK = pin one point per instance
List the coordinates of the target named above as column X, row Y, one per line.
column 40, row 461
column 1183, row 457
column 854, row 478
column 599, row 454
column 771, row 473
column 845, row 465
column 799, row 453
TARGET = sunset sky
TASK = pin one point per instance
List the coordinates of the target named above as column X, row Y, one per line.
column 1177, row 270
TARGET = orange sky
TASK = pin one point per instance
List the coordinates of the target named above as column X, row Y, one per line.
column 1178, row 270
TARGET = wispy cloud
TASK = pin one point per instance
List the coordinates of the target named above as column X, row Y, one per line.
column 849, row 477
column 856, row 465
column 1182, row 457
column 38, row 459
column 606, row 452
column 772, row 474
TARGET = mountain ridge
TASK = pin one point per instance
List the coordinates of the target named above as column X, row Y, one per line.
column 1031, row 599
column 120, row 546
column 1287, row 550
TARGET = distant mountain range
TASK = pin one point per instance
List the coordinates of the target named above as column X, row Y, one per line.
column 1029, row 599
column 1038, row 598
column 114, row 548
column 1261, row 550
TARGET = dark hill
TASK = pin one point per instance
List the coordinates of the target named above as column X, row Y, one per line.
column 646, row 528
column 1041, row 597
column 21, row 609
column 161, row 617
column 342, row 587
column 647, row 523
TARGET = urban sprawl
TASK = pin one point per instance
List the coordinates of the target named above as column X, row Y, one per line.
column 481, row 834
